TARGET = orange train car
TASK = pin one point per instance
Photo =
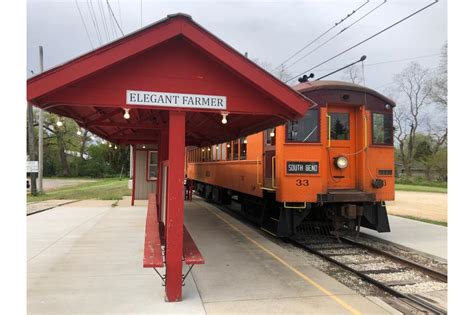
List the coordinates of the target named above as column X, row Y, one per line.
column 333, row 168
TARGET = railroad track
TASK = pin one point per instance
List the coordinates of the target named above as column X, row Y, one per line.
column 390, row 273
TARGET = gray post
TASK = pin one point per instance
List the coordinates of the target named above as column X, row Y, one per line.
column 31, row 146
column 40, row 133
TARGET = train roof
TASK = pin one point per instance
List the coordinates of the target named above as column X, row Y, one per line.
column 339, row 85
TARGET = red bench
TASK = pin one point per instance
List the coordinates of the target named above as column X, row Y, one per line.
column 153, row 254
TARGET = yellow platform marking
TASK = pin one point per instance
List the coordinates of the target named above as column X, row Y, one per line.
column 283, row 262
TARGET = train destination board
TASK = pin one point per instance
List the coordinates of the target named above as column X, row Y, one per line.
column 297, row 167
column 176, row 100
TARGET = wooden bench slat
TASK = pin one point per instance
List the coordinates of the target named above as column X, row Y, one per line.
column 191, row 254
column 152, row 256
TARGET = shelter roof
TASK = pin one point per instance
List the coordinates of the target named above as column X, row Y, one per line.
column 174, row 55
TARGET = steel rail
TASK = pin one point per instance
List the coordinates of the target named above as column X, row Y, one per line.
column 438, row 275
column 400, row 295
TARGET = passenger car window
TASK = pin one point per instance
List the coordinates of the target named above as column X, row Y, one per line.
column 339, row 126
column 382, row 128
column 305, row 129
column 228, row 151
column 235, row 150
column 243, row 148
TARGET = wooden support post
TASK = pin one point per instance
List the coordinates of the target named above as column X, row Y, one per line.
column 175, row 206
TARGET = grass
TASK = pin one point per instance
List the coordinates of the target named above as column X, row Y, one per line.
column 442, row 223
column 103, row 189
column 420, row 188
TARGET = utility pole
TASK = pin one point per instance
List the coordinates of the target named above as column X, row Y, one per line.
column 40, row 132
column 31, row 146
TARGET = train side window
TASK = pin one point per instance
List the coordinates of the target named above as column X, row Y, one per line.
column 305, row 129
column 382, row 128
column 209, row 154
column 235, row 151
column 243, row 148
column 218, row 152
column 228, row 151
column 203, row 155
column 270, row 136
column 340, row 126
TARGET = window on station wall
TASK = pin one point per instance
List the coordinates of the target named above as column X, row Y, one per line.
column 235, row 150
column 305, row 129
column 339, row 126
column 382, row 128
column 228, row 150
column 152, row 167
column 243, row 148
column 270, row 136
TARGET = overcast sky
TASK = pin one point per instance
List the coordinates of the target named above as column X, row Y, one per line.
column 268, row 30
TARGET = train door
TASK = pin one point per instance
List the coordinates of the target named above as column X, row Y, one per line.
column 341, row 142
column 268, row 159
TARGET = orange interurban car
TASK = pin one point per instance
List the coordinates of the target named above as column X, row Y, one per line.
column 331, row 169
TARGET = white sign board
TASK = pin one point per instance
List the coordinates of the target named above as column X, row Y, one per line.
column 176, row 100
column 32, row 166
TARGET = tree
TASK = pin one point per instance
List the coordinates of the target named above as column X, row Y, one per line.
column 281, row 73
column 353, row 74
column 415, row 88
column 439, row 93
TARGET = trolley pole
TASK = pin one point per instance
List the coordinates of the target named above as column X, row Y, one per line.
column 40, row 132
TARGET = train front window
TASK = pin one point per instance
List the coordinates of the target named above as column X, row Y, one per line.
column 305, row 129
column 382, row 128
column 339, row 126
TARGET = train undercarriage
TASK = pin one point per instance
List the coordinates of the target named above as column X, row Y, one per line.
column 332, row 214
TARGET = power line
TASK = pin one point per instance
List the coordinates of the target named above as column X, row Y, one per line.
column 322, row 34
column 94, row 21
column 365, row 40
column 113, row 15
column 84, row 24
column 104, row 22
column 120, row 13
column 334, row 36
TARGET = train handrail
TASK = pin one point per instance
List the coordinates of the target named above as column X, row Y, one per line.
column 273, row 171
column 329, row 130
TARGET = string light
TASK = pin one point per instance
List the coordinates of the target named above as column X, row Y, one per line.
column 126, row 115
column 228, row 145
column 245, row 140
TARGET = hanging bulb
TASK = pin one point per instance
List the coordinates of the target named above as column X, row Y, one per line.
column 228, row 145
column 208, row 149
column 272, row 133
column 245, row 140
column 78, row 132
column 143, row 147
column 115, row 147
column 103, row 141
column 126, row 115
column 59, row 123
column 224, row 117
column 110, row 145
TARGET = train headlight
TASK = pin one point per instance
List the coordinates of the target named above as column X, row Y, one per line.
column 341, row 162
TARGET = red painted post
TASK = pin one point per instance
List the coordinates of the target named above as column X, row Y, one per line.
column 175, row 206
column 134, row 165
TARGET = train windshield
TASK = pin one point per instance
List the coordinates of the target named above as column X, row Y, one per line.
column 305, row 129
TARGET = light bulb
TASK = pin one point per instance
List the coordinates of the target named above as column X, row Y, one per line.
column 272, row 134
column 217, row 148
column 202, row 150
column 245, row 140
column 59, row 123
column 78, row 132
column 110, row 145
column 143, row 147
column 115, row 147
column 208, row 149
column 228, row 145
column 224, row 118
column 126, row 115
column 103, row 141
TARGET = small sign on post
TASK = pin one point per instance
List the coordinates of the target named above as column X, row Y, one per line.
column 32, row 166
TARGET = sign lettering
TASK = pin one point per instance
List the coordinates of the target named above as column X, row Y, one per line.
column 176, row 100
column 296, row 167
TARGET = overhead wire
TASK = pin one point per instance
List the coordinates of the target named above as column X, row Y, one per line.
column 94, row 21
column 104, row 21
column 322, row 34
column 84, row 24
column 365, row 40
column 113, row 15
column 336, row 35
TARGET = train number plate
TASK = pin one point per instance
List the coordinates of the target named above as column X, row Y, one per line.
column 296, row 167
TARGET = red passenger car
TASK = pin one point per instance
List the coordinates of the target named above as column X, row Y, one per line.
column 332, row 168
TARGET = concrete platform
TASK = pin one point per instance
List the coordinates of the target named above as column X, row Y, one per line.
column 428, row 238
column 89, row 260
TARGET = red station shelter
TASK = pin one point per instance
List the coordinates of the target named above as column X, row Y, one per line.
column 176, row 80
